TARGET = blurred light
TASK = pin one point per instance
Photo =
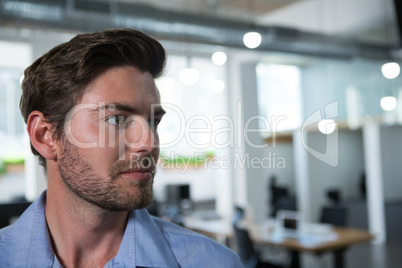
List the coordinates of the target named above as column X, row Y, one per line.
column 390, row 70
column 21, row 79
column 353, row 107
column 252, row 39
column 399, row 107
column 165, row 83
column 219, row 58
column 388, row 103
column 189, row 76
column 326, row 126
column 217, row 86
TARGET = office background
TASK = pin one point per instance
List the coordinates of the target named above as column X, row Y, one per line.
column 319, row 59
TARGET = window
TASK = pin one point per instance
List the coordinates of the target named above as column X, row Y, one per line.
column 15, row 57
column 192, row 111
column 279, row 97
column 187, row 130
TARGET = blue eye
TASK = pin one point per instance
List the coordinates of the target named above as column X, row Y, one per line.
column 116, row 120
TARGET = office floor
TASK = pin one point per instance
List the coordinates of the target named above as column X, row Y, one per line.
column 375, row 256
column 360, row 256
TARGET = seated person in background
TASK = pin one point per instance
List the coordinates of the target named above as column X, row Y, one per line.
column 92, row 111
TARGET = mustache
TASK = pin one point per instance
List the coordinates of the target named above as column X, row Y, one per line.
column 142, row 164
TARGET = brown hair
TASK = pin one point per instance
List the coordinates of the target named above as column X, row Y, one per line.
column 55, row 82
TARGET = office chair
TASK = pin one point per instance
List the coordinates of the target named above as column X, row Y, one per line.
column 153, row 208
column 250, row 257
column 245, row 247
column 238, row 215
column 335, row 215
column 8, row 211
column 179, row 195
column 284, row 203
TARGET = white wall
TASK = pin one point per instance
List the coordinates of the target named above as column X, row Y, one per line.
column 282, row 152
column 257, row 194
column 391, row 151
column 344, row 177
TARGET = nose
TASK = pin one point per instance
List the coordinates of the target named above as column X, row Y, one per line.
column 140, row 138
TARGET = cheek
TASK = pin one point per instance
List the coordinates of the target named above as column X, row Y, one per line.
column 95, row 144
column 157, row 145
column 100, row 157
column 155, row 153
column 83, row 133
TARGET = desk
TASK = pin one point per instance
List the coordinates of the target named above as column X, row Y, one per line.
column 261, row 233
column 217, row 229
column 337, row 242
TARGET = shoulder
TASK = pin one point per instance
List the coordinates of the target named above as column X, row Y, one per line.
column 25, row 239
column 3, row 236
column 15, row 234
column 9, row 238
column 3, row 242
column 13, row 246
column 194, row 249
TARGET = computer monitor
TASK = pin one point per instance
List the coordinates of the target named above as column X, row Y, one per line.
column 288, row 222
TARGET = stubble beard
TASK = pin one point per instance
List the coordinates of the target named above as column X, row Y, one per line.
column 81, row 179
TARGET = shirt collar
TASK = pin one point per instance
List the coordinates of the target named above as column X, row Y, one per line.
column 144, row 244
column 41, row 233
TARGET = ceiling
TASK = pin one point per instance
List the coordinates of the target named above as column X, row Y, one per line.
column 331, row 28
column 368, row 21
column 232, row 9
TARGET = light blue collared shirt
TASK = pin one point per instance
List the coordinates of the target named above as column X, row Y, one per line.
column 148, row 242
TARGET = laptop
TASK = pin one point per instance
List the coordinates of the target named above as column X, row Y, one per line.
column 288, row 223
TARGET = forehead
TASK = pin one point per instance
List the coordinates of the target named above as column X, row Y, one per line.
column 126, row 85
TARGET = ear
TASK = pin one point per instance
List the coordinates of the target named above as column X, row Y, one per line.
column 41, row 135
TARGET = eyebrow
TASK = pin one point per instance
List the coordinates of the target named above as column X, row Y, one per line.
column 158, row 110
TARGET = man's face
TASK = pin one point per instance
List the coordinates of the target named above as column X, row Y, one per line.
column 109, row 153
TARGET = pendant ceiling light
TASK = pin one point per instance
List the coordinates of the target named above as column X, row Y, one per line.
column 388, row 103
column 390, row 70
column 219, row 58
column 326, row 126
column 217, row 86
column 252, row 39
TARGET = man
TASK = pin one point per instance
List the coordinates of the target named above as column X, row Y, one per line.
column 92, row 111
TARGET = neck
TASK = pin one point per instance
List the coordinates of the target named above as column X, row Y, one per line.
column 82, row 234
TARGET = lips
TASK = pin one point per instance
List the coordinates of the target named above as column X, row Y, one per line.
column 138, row 174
